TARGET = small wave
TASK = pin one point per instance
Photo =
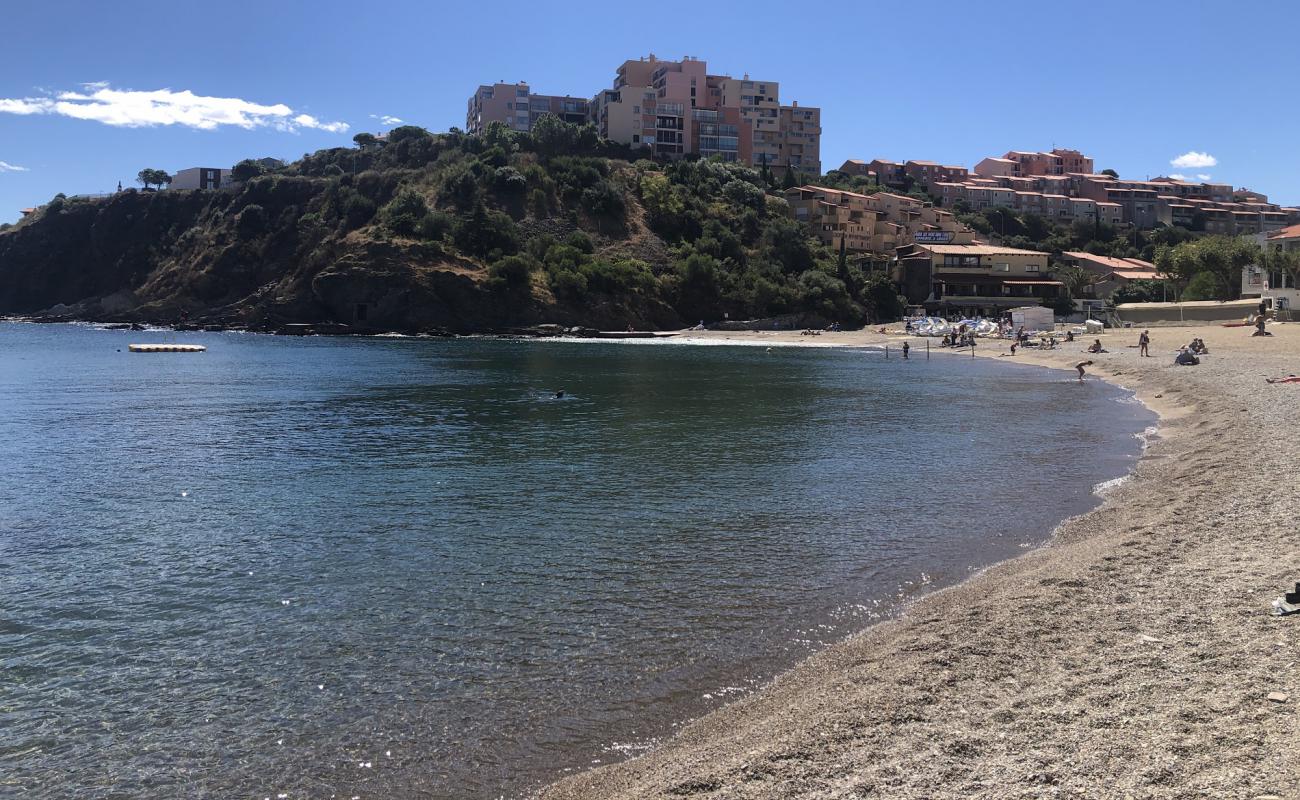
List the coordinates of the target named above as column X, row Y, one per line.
column 1148, row 436
column 1106, row 487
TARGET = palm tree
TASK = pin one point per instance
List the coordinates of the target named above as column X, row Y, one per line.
column 1075, row 278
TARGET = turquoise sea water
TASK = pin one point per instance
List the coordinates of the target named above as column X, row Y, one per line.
column 400, row 568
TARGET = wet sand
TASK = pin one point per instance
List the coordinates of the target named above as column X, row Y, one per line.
column 1134, row 656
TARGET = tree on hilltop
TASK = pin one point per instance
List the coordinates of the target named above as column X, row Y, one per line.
column 364, row 140
column 246, row 170
column 153, row 177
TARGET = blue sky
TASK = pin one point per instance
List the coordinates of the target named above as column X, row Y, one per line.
column 1134, row 84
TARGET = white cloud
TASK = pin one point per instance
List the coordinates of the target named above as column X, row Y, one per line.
column 5, row 166
column 1202, row 176
column 1178, row 176
column 1192, row 159
column 387, row 119
column 137, row 109
column 308, row 121
column 22, row 106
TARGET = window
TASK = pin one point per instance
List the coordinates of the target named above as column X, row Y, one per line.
column 636, row 109
column 636, row 138
column 1031, row 268
column 521, row 92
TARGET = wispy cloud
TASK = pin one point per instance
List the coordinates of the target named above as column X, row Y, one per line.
column 1194, row 160
column 5, row 166
column 386, row 119
column 1178, row 176
column 308, row 121
column 125, row 108
column 1202, row 176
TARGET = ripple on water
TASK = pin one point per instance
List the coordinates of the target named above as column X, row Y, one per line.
column 386, row 567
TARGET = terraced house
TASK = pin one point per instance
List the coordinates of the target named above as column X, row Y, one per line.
column 1061, row 185
column 877, row 223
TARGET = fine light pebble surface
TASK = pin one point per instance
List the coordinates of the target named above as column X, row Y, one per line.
column 1134, row 656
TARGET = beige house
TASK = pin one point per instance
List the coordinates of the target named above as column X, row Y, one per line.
column 1110, row 274
column 973, row 279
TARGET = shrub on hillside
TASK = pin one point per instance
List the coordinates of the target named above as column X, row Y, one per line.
column 251, row 221
column 405, row 213
column 483, row 231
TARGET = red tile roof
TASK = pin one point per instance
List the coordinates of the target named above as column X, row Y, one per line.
column 1289, row 232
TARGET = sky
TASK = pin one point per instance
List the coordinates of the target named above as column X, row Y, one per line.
column 92, row 92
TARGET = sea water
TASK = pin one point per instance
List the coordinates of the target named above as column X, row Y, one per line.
column 393, row 567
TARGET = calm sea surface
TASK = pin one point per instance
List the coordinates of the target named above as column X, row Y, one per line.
column 395, row 568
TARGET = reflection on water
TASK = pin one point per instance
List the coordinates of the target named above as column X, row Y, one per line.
column 403, row 568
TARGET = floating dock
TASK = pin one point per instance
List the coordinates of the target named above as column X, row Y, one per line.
column 166, row 348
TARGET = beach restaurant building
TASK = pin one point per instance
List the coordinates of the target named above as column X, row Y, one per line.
column 973, row 279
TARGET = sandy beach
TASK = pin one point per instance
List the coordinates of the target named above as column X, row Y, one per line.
column 1134, row 656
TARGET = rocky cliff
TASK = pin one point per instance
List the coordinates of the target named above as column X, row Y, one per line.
column 436, row 232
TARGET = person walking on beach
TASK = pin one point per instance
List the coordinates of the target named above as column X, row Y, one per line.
column 1144, row 342
column 1080, row 367
column 906, row 347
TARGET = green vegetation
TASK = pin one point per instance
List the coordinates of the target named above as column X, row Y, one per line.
column 427, row 230
column 1208, row 268
column 704, row 237
column 153, row 177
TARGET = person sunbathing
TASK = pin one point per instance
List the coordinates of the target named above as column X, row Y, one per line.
column 1096, row 347
column 1287, row 379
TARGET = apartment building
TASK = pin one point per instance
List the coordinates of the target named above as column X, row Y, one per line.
column 1024, row 163
column 973, row 279
column 876, row 223
column 674, row 108
column 838, row 218
column 201, row 178
column 1061, row 185
column 515, row 105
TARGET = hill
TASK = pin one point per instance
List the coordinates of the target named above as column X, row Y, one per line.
column 425, row 231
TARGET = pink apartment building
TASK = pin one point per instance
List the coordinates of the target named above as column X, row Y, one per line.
column 515, row 105
column 675, row 108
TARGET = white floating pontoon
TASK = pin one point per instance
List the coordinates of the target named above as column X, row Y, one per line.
column 166, row 348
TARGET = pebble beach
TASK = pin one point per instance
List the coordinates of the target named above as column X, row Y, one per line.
column 1135, row 655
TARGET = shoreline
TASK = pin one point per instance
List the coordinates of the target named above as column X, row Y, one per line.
column 933, row 703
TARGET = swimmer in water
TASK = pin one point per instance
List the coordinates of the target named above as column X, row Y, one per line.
column 559, row 395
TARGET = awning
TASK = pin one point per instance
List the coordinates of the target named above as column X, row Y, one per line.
column 1033, row 283
column 986, row 302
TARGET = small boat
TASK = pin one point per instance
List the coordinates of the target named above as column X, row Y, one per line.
column 166, row 348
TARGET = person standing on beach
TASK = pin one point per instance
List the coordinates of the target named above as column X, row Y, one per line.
column 1144, row 342
column 1080, row 367
column 906, row 347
